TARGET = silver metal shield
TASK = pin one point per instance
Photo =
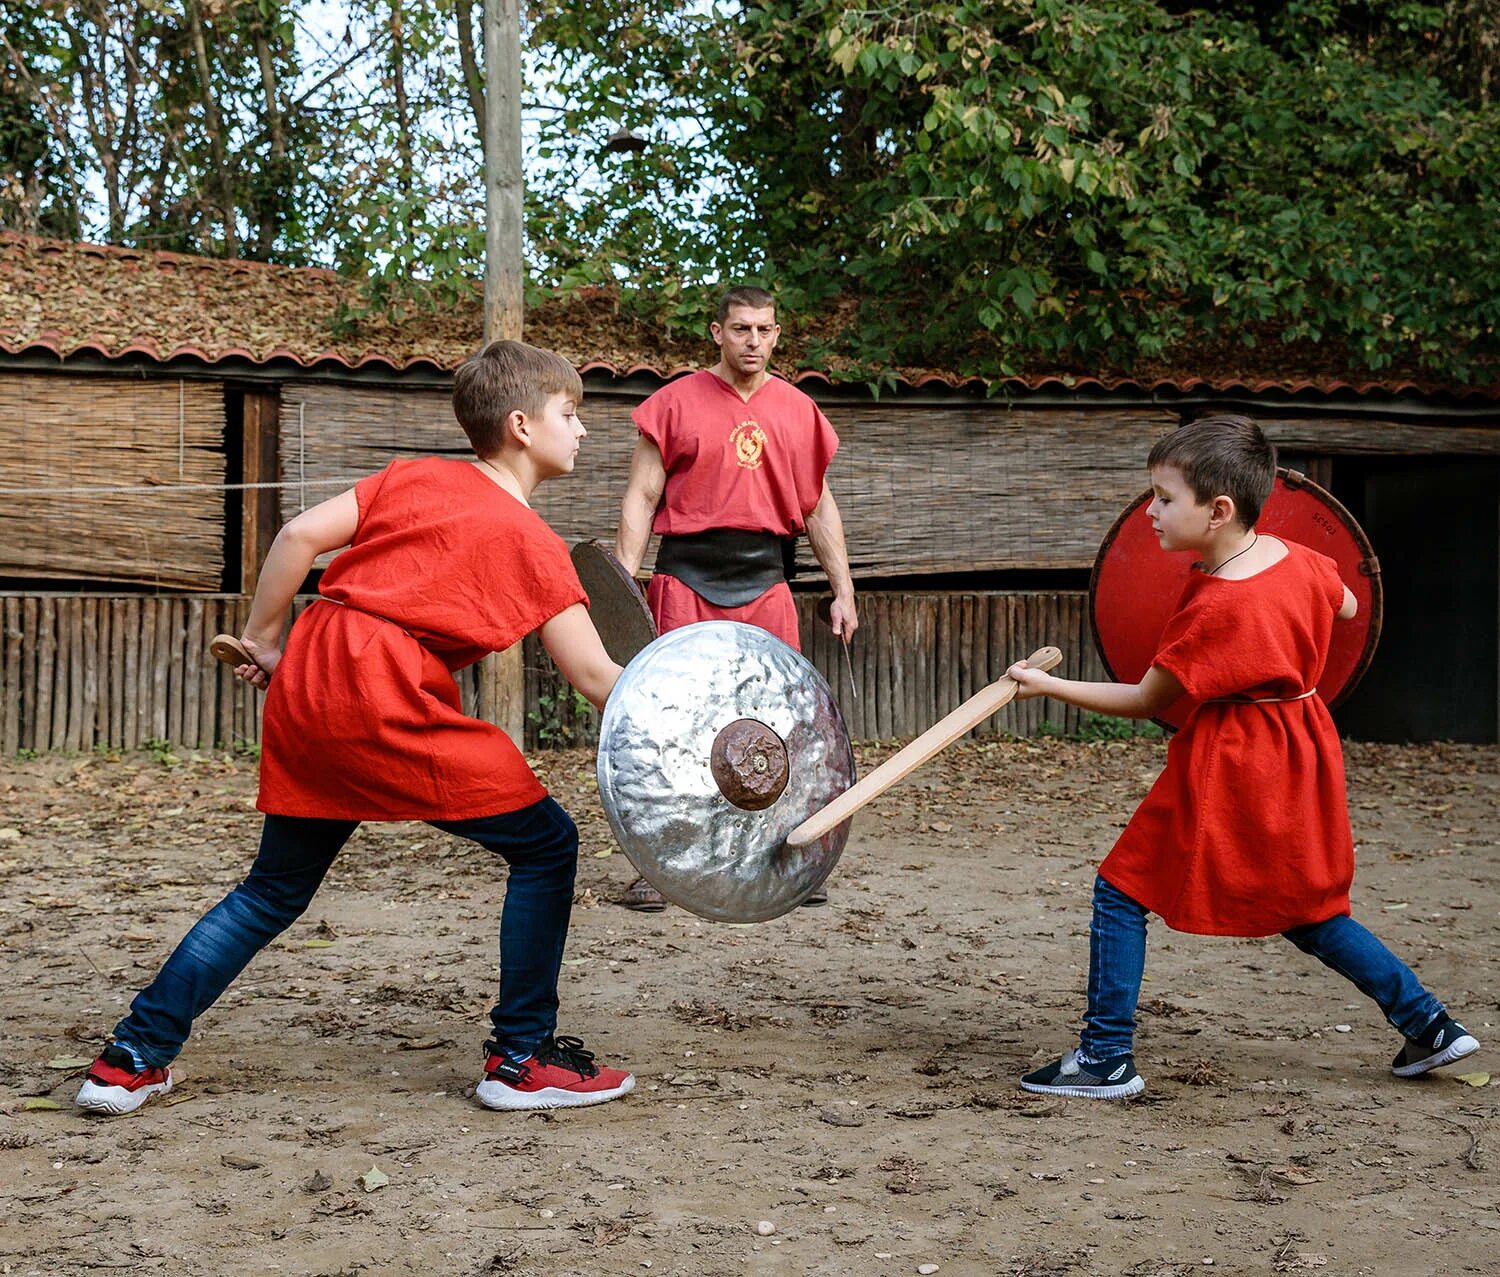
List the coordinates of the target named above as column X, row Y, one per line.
column 717, row 741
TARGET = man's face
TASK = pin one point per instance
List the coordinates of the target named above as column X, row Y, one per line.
column 746, row 338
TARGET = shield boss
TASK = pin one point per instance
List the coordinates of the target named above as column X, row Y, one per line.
column 717, row 742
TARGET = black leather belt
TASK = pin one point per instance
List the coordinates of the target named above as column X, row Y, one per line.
column 727, row 566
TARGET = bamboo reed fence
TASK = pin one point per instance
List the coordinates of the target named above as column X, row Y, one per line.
column 922, row 489
column 112, row 479
column 86, row 672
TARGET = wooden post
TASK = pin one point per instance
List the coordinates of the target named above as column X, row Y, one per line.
column 503, row 265
column 260, row 510
column 502, row 696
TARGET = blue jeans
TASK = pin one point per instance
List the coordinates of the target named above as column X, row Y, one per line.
column 540, row 843
column 1117, row 961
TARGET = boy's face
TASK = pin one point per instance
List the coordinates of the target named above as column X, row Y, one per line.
column 746, row 338
column 555, row 435
column 1179, row 519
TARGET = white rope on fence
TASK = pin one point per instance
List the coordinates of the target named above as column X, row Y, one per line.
column 102, row 490
column 302, row 452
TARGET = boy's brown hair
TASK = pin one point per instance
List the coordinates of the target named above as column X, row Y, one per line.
column 507, row 377
column 744, row 295
column 1226, row 455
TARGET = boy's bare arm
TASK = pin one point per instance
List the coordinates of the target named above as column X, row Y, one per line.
column 329, row 525
column 1349, row 607
column 1124, row 700
column 574, row 645
column 825, row 533
column 648, row 478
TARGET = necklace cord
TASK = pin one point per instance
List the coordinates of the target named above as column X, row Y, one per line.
column 1255, row 538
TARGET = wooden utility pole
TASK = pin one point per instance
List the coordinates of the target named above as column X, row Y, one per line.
column 503, row 266
column 501, row 677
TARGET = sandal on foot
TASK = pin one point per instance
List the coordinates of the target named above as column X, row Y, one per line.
column 643, row 897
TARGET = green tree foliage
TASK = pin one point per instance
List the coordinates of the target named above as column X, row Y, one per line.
column 238, row 129
column 1067, row 185
column 1086, row 183
column 980, row 185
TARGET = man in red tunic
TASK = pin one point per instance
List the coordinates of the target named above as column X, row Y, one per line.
column 446, row 561
column 728, row 471
column 1246, row 832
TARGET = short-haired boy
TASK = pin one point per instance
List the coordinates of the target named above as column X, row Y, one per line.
column 446, row 562
column 1246, row 831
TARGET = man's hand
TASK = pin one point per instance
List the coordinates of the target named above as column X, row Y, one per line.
column 843, row 617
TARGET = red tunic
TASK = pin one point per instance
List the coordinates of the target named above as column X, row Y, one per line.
column 362, row 718
column 674, row 603
column 756, row 465
column 1246, row 831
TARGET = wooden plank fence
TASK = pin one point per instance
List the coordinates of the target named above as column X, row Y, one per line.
column 83, row 672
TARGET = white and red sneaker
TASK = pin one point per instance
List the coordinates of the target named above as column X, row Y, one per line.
column 114, row 1085
column 560, row 1074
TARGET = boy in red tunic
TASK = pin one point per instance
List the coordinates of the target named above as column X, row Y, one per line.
column 1246, row 832
column 446, row 561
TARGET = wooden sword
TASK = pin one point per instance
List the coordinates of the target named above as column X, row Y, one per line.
column 905, row 761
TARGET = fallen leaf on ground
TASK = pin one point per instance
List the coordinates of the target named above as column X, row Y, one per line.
column 237, row 1163
column 424, row 1044
column 374, row 1178
column 1473, row 1079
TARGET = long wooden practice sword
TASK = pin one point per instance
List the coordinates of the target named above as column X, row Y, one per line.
column 933, row 741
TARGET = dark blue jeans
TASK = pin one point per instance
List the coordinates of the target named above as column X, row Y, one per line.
column 540, row 843
column 1117, row 961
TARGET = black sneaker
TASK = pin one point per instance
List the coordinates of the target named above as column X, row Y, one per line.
column 1444, row 1041
column 1112, row 1079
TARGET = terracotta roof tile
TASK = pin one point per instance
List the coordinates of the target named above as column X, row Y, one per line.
column 71, row 298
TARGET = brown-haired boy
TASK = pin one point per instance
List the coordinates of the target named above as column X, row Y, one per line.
column 446, row 562
column 1246, row 831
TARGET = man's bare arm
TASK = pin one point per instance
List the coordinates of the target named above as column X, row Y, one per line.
column 648, row 477
column 825, row 533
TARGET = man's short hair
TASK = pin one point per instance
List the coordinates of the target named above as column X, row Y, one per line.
column 506, row 377
column 1226, row 455
column 745, row 295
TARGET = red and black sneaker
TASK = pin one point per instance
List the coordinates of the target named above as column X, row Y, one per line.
column 560, row 1074
column 114, row 1085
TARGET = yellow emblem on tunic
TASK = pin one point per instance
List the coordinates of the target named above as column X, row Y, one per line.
column 749, row 444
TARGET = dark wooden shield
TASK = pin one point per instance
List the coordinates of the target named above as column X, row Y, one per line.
column 1136, row 585
column 616, row 603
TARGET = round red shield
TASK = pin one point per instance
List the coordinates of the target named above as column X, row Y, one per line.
column 1136, row 584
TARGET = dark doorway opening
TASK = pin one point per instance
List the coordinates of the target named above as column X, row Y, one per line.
column 1435, row 526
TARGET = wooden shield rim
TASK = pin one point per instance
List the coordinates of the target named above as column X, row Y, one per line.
column 1370, row 565
column 615, row 595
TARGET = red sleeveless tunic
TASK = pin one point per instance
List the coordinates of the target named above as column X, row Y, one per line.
column 362, row 718
column 755, row 464
column 1246, row 831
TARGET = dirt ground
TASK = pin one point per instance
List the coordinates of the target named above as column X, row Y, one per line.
column 846, row 1073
